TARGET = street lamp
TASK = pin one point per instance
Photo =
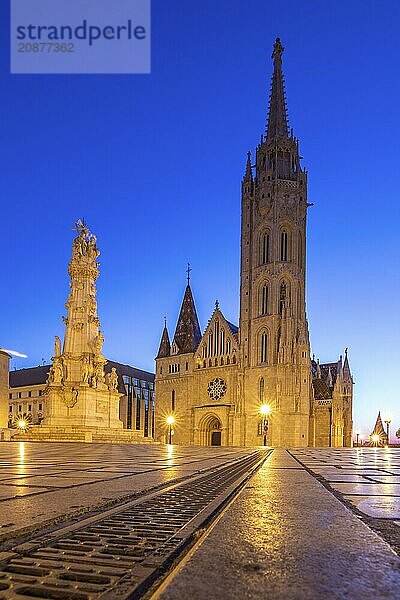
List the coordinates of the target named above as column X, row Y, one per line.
column 357, row 438
column 170, row 422
column 265, row 411
column 375, row 438
column 22, row 424
column 387, row 422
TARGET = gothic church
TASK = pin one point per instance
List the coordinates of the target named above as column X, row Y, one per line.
column 214, row 384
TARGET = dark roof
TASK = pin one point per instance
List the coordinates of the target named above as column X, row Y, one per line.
column 32, row 376
column 38, row 375
column 187, row 334
column 379, row 429
column 233, row 328
column 130, row 371
column 165, row 345
column 321, row 390
column 325, row 370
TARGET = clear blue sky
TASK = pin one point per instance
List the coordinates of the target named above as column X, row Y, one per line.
column 154, row 164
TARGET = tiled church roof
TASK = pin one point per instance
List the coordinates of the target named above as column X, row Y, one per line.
column 187, row 334
column 165, row 345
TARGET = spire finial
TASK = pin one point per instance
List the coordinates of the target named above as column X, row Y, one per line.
column 277, row 126
column 188, row 271
column 216, row 304
column 277, row 52
column 165, row 321
column 249, row 174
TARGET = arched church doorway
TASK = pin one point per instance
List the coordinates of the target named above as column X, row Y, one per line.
column 211, row 431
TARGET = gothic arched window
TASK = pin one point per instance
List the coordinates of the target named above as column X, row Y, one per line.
column 261, row 390
column 263, row 300
column 264, row 248
column 216, row 337
column 263, row 347
column 222, row 347
column 210, row 344
column 173, row 400
column 284, row 245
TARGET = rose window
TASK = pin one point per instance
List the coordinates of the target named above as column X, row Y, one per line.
column 217, row 388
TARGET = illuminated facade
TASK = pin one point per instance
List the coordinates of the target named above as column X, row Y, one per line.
column 215, row 382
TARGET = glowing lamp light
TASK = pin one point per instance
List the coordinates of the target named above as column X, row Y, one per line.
column 22, row 424
column 170, row 421
column 375, row 438
column 265, row 410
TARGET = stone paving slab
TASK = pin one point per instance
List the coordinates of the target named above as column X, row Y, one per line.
column 379, row 507
column 43, row 482
column 366, row 489
column 373, row 485
column 286, row 537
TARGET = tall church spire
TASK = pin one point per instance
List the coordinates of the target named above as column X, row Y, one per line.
column 187, row 334
column 277, row 126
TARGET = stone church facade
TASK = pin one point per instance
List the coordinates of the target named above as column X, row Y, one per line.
column 214, row 383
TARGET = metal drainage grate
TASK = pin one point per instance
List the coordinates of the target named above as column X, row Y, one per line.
column 120, row 555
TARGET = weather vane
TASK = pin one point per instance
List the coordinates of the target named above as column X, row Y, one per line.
column 188, row 271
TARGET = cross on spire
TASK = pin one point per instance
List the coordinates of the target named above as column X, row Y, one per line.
column 188, row 271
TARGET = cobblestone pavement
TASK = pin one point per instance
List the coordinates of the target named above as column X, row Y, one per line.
column 43, row 482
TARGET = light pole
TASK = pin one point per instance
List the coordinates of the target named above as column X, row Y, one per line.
column 265, row 411
column 387, row 422
column 357, row 438
column 170, row 422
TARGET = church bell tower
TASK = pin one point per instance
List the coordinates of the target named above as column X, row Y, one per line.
column 274, row 339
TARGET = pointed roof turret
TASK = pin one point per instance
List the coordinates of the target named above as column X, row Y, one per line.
column 379, row 431
column 248, row 176
column 187, row 334
column 165, row 345
column 329, row 380
column 346, row 368
column 277, row 126
column 318, row 370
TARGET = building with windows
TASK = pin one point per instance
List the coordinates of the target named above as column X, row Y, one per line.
column 26, row 397
column 214, row 384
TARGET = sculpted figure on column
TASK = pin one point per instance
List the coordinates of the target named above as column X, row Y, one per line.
column 77, row 393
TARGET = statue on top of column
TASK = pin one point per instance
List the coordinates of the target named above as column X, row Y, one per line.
column 84, row 245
